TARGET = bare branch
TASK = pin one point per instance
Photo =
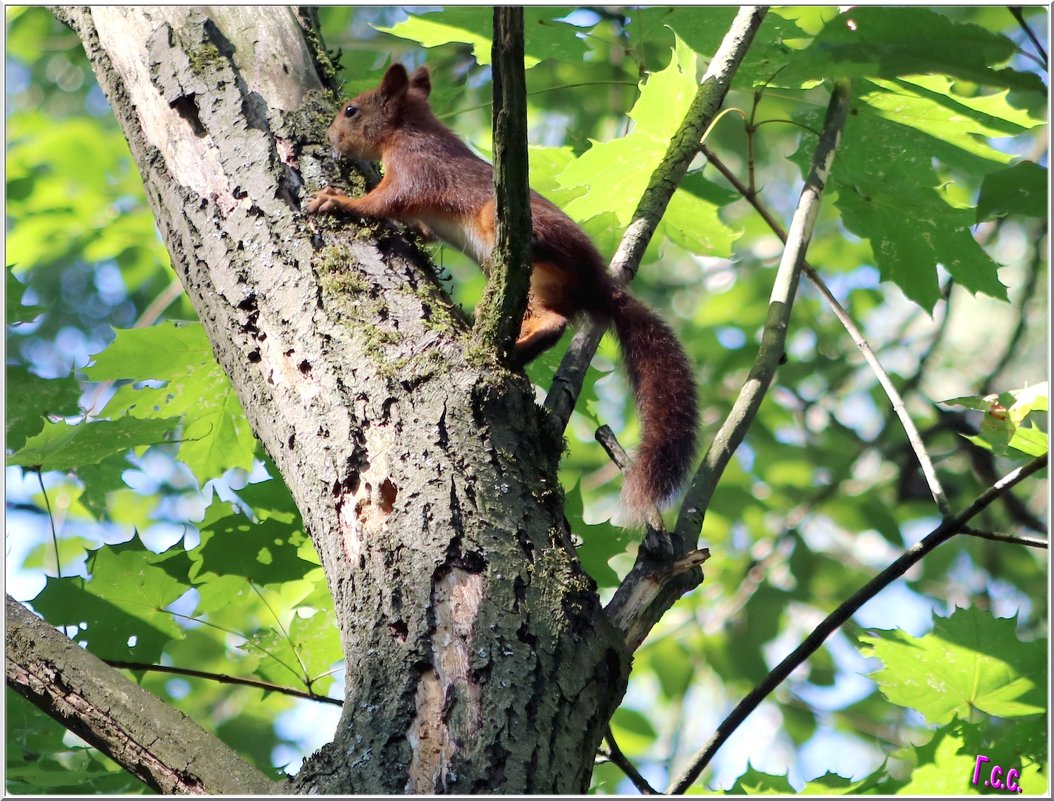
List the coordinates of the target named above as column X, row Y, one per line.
column 505, row 299
column 1010, row 539
column 945, row 531
column 1020, row 17
column 655, row 539
column 567, row 383
column 774, row 335
column 661, row 574
column 120, row 718
column 850, row 326
column 622, row 762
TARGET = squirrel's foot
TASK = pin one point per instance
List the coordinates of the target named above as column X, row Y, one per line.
column 327, row 201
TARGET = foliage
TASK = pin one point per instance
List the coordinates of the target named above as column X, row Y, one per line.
column 177, row 543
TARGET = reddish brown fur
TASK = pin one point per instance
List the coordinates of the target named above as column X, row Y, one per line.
column 432, row 178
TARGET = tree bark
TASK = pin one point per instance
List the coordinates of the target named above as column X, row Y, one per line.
column 479, row 659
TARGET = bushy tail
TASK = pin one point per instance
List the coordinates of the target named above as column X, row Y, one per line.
column 664, row 387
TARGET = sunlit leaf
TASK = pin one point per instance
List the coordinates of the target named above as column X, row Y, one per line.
column 970, row 661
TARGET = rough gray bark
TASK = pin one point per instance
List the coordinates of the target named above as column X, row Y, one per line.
column 478, row 656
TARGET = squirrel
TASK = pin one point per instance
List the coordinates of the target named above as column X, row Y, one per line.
column 433, row 180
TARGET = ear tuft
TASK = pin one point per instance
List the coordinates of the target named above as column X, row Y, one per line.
column 394, row 83
column 421, row 82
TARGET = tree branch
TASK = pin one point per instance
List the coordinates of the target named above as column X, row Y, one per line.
column 1010, row 539
column 1020, row 17
column 655, row 537
column 567, row 383
column 850, row 326
column 622, row 762
column 774, row 335
column 504, row 301
column 945, row 531
column 118, row 717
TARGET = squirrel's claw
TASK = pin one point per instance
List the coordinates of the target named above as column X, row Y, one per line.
column 325, row 201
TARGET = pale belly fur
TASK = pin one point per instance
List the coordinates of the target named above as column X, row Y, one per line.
column 463, row 237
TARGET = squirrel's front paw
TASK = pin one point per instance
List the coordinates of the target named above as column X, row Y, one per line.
column 326, row 201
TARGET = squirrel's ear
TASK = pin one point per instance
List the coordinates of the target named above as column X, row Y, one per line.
column 394, row 83
column 421, row 82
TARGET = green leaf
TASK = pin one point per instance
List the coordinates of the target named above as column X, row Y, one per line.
column 100, row 481
column 970, row 661
column 754, row 782
column 544, row 37
column 309, row 649
column 161, row 352
column 16, row 312
column 878, row 782
column 632, row 729
column 947, row 764
column 616, row 173
column 30, row 399
column 930, row 105
column 1021, row 189
column 890, row 42
column 265, row 552
column 66, row 447
column 611, row 176
column 1002, row 428
column 600, row 543
column 889, row 194
column 121, row 612
column 216, row 436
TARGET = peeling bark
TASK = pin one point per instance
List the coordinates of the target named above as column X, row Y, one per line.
column 479, row 659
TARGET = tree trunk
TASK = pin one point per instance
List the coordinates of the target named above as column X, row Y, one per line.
column 479, row 658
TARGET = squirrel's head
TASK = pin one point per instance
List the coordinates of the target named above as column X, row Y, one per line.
column 366, row 122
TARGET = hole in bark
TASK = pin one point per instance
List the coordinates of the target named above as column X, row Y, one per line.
column 254, row 356
column 388, row 493
column 187, row 108
column 305, row 367
column 399, row 630
column 292, row 439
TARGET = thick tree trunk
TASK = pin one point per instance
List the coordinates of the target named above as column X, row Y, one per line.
column 478, row 656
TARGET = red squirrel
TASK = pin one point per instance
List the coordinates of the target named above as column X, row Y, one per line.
column 431, row 178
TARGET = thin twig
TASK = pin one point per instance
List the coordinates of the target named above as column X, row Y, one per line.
column 1020, row 17
column 774, row 334
column 655, row 539
column 619, row 759
column 1011, row 539
column 223, row 678
column 945, row 531
column 857, row 335
column 51, row 519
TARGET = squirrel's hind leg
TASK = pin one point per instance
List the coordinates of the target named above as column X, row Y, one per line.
column 549, row 307
column 541, row 330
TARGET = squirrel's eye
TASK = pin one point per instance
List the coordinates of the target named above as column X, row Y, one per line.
column 350, row 111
